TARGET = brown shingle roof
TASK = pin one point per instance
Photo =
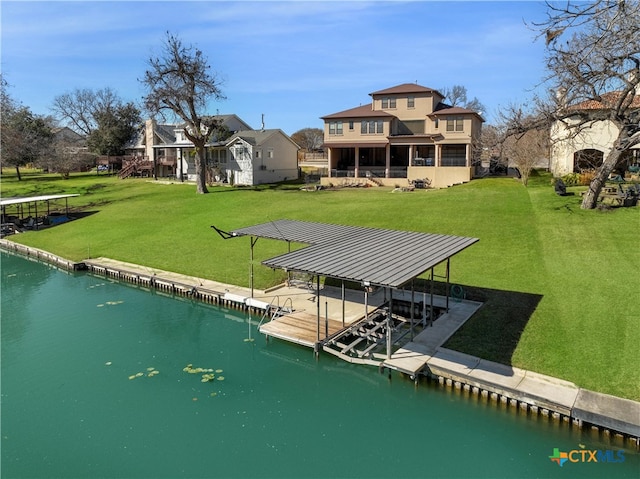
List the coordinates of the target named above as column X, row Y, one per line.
column 406, row 88
column 443, row 110
column 364, row 111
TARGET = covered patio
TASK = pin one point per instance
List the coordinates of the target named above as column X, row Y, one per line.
column 383, row 262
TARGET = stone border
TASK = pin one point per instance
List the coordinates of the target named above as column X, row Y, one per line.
column 527, row 390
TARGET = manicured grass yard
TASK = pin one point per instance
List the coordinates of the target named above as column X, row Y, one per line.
column 560, row 284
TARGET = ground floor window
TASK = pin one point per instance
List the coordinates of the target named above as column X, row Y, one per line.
column 399, row 156
column 372, row 157
column 454, row 155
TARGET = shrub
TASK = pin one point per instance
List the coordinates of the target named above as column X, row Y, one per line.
column 571, row 179
column 586, row 177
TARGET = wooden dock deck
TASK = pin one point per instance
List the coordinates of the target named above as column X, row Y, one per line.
column 301, row 327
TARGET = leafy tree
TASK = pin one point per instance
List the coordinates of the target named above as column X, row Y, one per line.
column 309, row 139
column 116, row 127
column 179, row 82
column 102, row 116
column 25, row 137
column 593, row 55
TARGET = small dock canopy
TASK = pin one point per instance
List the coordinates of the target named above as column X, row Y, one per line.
column 33, row 199
column 370, row 256
column 11, row 222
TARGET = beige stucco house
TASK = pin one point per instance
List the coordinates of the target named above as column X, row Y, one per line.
column 405, row 132
column 586, row 150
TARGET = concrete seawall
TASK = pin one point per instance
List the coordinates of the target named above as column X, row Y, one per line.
column 524, row 390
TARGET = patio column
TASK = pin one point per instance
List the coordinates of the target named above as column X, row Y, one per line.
column 329, row 162
column 438, row 154
column 357, row 163
column 389, row 323
column 387, row 154
column 467, row 155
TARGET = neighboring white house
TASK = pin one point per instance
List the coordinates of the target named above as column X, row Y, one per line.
column 168, row 152
column 260, row 156
column 243, row 156
column 586, row 150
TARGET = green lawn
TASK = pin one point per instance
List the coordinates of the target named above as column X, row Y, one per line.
column 560, row 284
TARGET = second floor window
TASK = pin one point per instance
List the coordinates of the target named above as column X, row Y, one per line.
column 411, row 102
column 335, row 128
column 372, row 127
column 388, row 103
column 455, row 124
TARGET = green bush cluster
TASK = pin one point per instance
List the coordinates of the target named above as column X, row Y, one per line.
column 571, row 179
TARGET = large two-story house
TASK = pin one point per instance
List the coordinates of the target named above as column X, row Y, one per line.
column 241, row 156
column 579, row 146
column 405, row 133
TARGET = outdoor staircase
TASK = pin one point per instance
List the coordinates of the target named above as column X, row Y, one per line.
column 127, row 171
column 134, row 167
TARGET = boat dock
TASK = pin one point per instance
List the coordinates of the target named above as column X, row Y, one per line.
column 419, row 354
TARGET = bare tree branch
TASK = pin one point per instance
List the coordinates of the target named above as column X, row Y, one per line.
column 179, row 82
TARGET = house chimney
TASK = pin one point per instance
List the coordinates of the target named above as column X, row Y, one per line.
column 561, row 97
column 150, row 137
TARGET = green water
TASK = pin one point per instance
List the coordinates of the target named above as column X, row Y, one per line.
column 70, row 342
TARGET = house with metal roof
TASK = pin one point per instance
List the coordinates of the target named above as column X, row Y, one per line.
column 404, row 133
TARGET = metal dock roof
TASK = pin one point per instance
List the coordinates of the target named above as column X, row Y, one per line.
column 375, row 256
column 31, row 199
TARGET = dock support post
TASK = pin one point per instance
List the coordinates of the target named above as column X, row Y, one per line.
column 389, row 323
column 448, row 286
column 413, row 306
column 318, row 303
column 343, row 298
column 326, row 319
column 431, row 300
column 366, row 302
column 253, row 243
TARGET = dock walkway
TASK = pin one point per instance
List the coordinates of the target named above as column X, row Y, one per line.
column 424, row 354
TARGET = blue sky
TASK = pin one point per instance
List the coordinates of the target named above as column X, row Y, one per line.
column 293, row 61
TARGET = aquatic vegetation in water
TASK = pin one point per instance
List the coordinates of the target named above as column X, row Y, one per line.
column 207, row 373
column 151, row 372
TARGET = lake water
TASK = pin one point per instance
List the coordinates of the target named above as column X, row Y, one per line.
column 79, row 399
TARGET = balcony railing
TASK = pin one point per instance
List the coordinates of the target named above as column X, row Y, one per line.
column 394, row 172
